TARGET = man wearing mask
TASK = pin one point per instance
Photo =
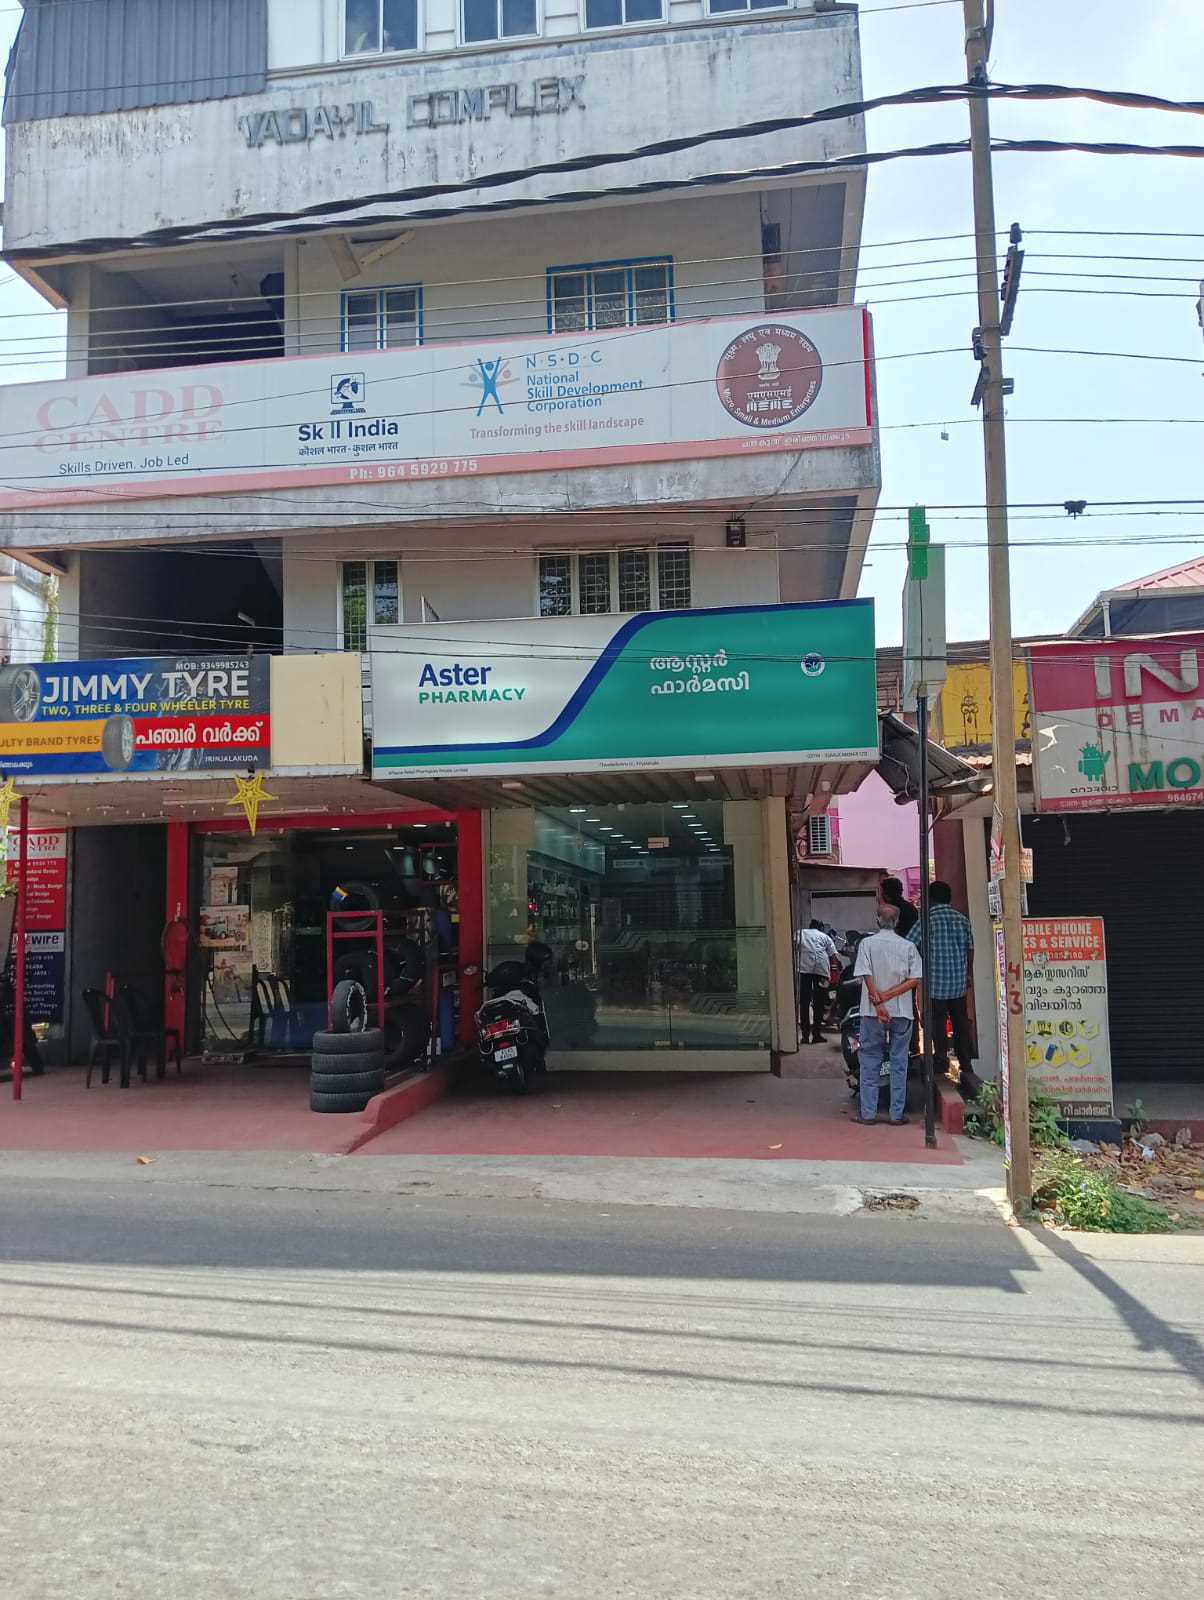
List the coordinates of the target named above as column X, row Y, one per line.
column 890, row 970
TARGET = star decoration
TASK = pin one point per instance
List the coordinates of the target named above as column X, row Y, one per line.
column 8, row 793
column 249, row 793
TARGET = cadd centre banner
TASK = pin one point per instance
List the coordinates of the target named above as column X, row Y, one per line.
column 673, row 391
column 780, row 685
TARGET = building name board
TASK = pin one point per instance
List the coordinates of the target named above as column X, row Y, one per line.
column 1118, row 723
column 782, row 685
column 437, row 109
column 672, row 392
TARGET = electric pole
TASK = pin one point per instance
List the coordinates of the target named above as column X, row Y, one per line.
column 1006, row 822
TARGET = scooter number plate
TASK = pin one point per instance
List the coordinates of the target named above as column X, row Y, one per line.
column 510, row 1053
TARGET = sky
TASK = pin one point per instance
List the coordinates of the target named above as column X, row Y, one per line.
column 1157, row 48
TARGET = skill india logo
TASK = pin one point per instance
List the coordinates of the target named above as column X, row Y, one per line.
column 1093, row 764
column 347, row 391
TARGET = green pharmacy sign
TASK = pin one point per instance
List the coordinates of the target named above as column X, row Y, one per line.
column 733, row 686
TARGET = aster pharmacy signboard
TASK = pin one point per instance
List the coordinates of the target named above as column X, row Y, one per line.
column 1118, row 723
column 730, row 687
column 88, row 719
column 675, row 391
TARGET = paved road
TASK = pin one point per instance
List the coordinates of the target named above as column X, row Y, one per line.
column 303, row 1395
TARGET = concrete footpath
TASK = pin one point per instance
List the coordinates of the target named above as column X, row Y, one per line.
column 972, row 1188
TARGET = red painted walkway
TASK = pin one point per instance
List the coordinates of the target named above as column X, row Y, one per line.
column 208, row 1108
column 741, row 1115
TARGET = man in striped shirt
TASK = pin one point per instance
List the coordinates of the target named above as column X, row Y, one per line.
column 948, row 966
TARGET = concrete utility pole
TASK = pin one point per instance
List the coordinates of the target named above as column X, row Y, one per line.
column 1006, row 826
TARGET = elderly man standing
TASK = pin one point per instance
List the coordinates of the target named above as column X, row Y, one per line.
column 890, row 970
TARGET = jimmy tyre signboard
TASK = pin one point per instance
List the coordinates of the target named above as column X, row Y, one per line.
column 69, row 719
column 734, row 686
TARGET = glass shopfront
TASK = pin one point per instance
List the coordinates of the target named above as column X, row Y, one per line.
column 262, row 925
column 655, row 915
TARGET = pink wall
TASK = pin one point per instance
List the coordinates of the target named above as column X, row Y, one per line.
column 875, row 832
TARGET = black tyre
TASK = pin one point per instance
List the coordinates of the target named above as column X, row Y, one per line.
column 117, row 743
column 368, row 1083
column 348, row 1007
column 367, row 1043
column 407, row 1034
column 360, row 966
column 337, row 1102
column 519, row 1080
column 20, row 694
column 355, row 896
column 346, row 1066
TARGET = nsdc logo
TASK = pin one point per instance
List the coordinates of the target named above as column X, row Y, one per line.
column 812, row 665
column 347, row 390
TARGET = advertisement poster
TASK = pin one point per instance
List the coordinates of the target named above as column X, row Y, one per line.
column 729, row 687
column 1066, row 1041
column 77, row 719
column 45, row 919
column 671, row 391
column 1118, row 723
column 45, row 876
column 223, row 886
column 225, row 927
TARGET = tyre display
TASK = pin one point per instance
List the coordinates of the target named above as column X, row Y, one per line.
column 117, row 743
column 362, row 1083
column 346, row 1066
column 20, row 694
column 337, row 1102
column 348, row 1007
column 367, row 1042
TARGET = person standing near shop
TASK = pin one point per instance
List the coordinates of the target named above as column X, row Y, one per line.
column 892, row 895
column 949, row 965
column 816, row 954
column 890, row 971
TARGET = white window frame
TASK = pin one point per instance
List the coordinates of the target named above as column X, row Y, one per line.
column 613, row 27
column 382, row 54
column 747, row 9
column 501, row 38
column 651, row 550
column 380, row 291
column 370, row 623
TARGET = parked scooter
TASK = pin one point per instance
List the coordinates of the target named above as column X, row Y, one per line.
column 512, row 1026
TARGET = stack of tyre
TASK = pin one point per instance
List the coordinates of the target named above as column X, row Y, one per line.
column 348, row 1064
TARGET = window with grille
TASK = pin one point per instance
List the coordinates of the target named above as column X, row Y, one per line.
column 609, row 294
column 373, row 26
column 616, row 13
column 819, row 836
column 382, row 319
column 592, row 583
column 382, row 603
column 499, row 19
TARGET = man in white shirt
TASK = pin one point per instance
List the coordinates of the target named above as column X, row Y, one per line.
column 890, row 970
column 816, row 953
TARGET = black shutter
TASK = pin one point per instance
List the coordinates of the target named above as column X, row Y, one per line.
column 1143, row 872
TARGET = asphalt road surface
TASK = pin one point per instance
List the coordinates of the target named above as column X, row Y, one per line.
column 299, row 1395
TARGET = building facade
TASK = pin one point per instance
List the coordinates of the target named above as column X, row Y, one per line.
column 357, row 385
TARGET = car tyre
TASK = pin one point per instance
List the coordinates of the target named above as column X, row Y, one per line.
column 366, row 1083
column 348, row 1007
column 370, row 1041
column 346, row 1066
column 337, row 1102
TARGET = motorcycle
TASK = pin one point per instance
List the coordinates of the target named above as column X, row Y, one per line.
column 512, row 1026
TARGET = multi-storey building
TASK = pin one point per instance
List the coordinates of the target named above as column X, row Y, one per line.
column 417, row 445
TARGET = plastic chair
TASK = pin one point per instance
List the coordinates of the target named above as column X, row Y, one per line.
column 141, row 1034
column 107, row 1040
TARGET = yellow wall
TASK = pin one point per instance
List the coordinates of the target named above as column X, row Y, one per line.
column 317, row 712
column 965, row 705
